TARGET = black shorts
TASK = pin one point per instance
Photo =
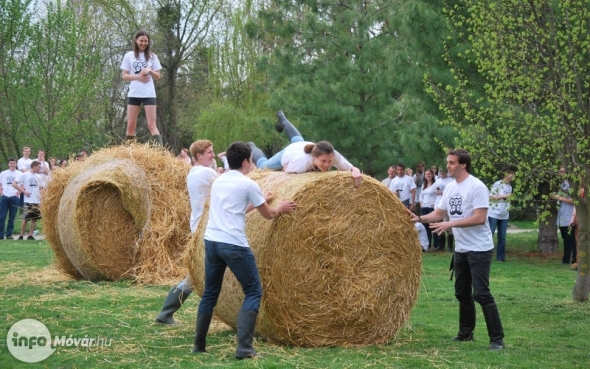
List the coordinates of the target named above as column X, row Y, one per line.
column 32, row 211
column 138, row 100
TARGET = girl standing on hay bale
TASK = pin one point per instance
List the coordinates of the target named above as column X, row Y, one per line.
column 146, row 67
column 301, row 156
column 226, row 245
column 198, row 182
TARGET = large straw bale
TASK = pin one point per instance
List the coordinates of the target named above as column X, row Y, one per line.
column 105, row 200
column 342, row 270
column 113, row 241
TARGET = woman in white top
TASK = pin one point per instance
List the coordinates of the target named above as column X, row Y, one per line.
column 301, row 156
column 427, row 199
column 140, row 68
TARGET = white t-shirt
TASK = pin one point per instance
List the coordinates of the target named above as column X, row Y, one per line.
column 428, row 197
column 440, row 183
column 422, row 235
column 6, row 178
column 24, row 164
column 459, row 200
column 499, row 208
column 32, row 183
column 43, row 164
column 295, row 160
column 134, row 66
column 566, row 210
column 231, row 194
column 198, row 182
column 387, row 181
column 403, row 186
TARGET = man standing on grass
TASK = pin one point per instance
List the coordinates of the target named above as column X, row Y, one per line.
column 29, row 183
column 466, row 200
column 226, row 245
column 10, row 199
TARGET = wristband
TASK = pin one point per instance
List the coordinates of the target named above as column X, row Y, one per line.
column 419, row 218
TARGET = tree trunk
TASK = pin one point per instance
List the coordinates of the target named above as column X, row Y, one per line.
column 547, row 241
column 582, row 286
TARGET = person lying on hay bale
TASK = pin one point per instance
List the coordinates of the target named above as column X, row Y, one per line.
column 301, row 156
column 226, row 245
column 198, row 181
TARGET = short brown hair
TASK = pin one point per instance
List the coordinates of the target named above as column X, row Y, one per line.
column 199, row 147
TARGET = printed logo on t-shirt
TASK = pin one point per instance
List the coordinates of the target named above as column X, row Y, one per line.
column 9, row 180
column 398, row 186
column 455, row 204
column 32, row 182
column 139, row 65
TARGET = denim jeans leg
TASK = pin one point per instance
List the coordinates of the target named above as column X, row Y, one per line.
column 4, row 206
column 13, row 208
column 242, row 263
column 274, row 163
column 479, row 265
column 214, row 271
column 501, row 248
column 463, row 289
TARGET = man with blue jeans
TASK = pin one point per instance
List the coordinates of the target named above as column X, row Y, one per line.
column 466, row 201
column 498, row 212
column 226, row 245
column 10, row 200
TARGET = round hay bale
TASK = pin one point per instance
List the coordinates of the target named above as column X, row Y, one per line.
column 157, row 252
column 99, row 203
column 342, row 270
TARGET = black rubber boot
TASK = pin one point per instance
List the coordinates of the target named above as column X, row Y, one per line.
column 494, row 324
column 172, row 303
column 466, row 321
column 203, row 322
column 256, row 153
column 157, row 139
column 245, row 334
column 130, row 138
column 283, row 124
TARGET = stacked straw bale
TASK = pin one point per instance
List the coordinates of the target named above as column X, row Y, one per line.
column 342, row 270
column 123, row 213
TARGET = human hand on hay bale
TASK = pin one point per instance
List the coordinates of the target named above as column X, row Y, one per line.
column 357, row 176
column 283, row 207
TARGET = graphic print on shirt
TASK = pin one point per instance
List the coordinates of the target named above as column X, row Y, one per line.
column 398, row 186
column 32, row 182
column 139, row 65
column 9, row 180
column 455, row 204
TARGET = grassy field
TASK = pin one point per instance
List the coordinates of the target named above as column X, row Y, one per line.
column 544, row 327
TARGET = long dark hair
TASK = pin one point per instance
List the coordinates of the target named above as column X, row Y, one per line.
column 147, row 52
column 425, row 183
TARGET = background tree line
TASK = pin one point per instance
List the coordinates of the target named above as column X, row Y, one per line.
column 383, row 80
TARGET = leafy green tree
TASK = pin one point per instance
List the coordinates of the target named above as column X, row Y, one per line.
column 535, row 109
column 348, row 72
column 50, row 78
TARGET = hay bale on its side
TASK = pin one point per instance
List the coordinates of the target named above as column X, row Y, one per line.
column 343, row 269
column 158, row 252
column 106, row 201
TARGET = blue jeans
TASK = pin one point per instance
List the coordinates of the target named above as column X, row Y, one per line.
column 274, row 163
column 472, row 277
column 241, row 262
column 502, row 225
column 8, row 206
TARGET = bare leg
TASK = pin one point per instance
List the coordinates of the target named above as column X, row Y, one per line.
column 23, row 227
column 32, row 227
column 132, row 112
column 150, row 114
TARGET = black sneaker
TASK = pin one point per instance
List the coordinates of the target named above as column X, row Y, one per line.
column 21, row 238
column 31, row 238
column 9, row 237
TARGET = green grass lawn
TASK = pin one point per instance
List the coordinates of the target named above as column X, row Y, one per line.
column 544, row 328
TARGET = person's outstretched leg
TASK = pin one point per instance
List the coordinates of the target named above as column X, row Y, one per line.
column 283, row 124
